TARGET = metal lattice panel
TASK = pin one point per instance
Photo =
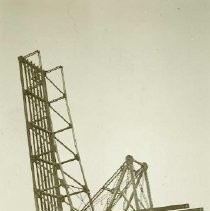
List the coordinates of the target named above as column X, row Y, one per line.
column 127, row 189
column 51, row 153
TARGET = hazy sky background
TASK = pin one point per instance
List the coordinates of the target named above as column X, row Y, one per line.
column 138, row 78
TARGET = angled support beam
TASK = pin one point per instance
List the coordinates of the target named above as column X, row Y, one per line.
column 116, row 190
column 193, row 209
column 170, row 207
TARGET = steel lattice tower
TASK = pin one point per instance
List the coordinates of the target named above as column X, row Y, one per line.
column 55, row 185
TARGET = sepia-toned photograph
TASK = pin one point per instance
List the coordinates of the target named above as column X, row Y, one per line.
column 105, row 105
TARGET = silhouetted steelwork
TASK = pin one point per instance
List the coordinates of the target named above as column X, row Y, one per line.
column 128, row 188
column 54, row 185
column 58, row 178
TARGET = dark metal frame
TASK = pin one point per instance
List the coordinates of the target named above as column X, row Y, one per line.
column 48, row 170
column 53, row 185
column 125, row 187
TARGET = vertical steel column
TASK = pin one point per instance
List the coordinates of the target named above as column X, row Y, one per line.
column 148, row 185
column 40, row 137
column 27, row 129
column 129, row 161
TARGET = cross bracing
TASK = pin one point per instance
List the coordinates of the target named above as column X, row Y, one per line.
column 59, row 182
column 51, row 153
column 128, row 188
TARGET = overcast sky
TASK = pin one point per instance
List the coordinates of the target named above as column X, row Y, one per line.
column 138, row 78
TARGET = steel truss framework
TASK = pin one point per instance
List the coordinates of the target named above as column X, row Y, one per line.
column 128, row 188
column 53, row 185
column 58, row 178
